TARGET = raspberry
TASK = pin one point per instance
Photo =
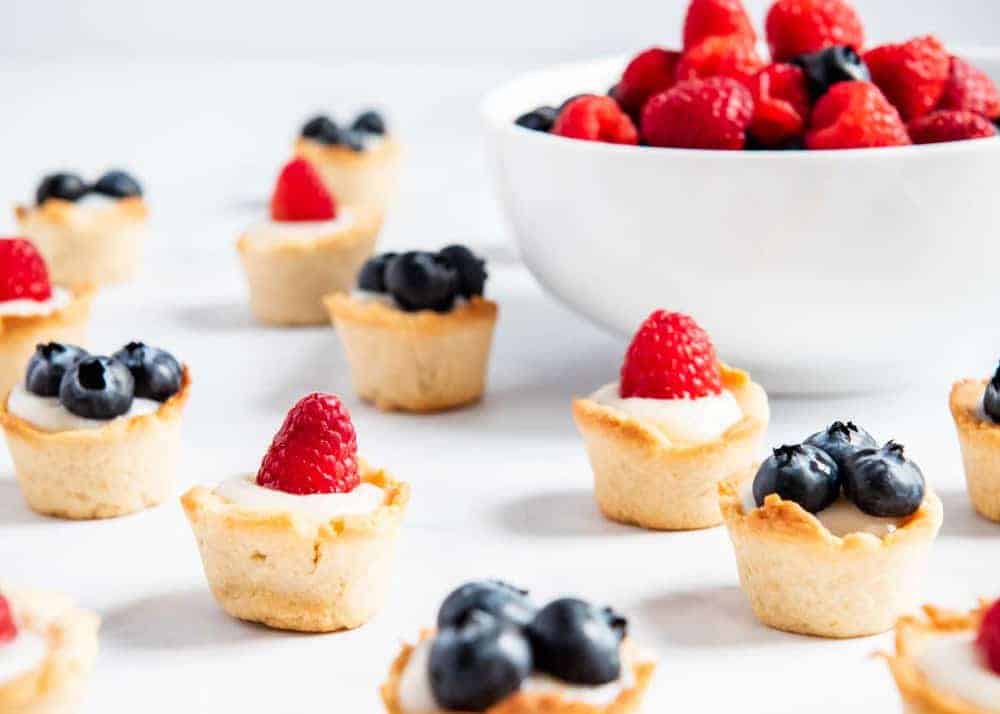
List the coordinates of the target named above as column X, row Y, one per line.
column 798, row 27
column 988, row 640
column 699, row 114
column 8, row 628
column 912, row 75
column 971, row 89
column 300, row 195
column 712, row 18
column 731, row 56
column 651, row 71
column 595, row 118
column 670, row 357
column 949, row 125
column 23, row 274
column 781, row 104
column 315, row 451
column 855, row 115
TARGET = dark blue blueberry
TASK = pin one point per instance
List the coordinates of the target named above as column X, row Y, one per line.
column 795, row 144
column 372, row 275
column 68, row 187
column 48, row 365
column 497, row 598
column 369, row 122
column 157, row 374
column 827, row 67
column 612, row 91
column 471, row 269
column 841, row 441
column 540, row 119
column 800, row 473
column 421, row 281
column 883, row 482
column 991, row 398
column 97, row 388
column 117, row 184
column 577, row 642
column 478, row 663
column 322, row 129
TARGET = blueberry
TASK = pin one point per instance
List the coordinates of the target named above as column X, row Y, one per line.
column 48, row 365
column 422, row 281
column 478, row 663
column 540, row 119
column 68, row 187
column 157, row 374
column 117, row 184
column 497, row 598
column 991, row 398
column 97, row 388
column 322, row 129
column 471, row 271
column 577, row 642
column 612, row 91
column 827, row 67
column 372, row 275
column 841, row 440
column 352, row 139
column 800, row 473
column 883, row 482
column 369, row 122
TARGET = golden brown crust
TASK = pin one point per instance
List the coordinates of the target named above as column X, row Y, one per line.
column 374, row 313
column 365, row 222
column 979, row 439
column 78, row 310
column 388, row 149
column 68, row 214
column 354, row 178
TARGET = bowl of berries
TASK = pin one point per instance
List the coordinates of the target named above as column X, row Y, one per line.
column 825, row 207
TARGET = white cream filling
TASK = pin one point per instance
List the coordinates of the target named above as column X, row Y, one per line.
column 841, row 518
column 48, row 413
column 92, row 201
column 60, row 298
column 272, row 232
column 953, row 664
column 690, row 420
column 26, row 652
column 244, row 491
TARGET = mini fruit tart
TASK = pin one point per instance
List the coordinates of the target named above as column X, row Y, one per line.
column 32, row 310
column 975, row 407
column 495, row 651
column 47, row 652
column 831, row 536
column 358, row 163
column 417, row 332
column 88, row 234
column 308, row 248
column 307, row 543
column 949, row 663
column 677, row 423
column 94, row 436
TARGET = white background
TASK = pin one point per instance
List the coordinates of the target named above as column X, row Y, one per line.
column 201, row 100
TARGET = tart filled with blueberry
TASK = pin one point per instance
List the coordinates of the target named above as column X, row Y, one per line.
column 673, row 426
column 307, row 543
column 975, row 407
column 831, row 536
column 310, row 246
column 357, row 160
column 417, row 331
column 495, row 650
column 88, row 233
column 95, row 436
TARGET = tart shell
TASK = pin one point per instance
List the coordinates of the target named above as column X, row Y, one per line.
column 366, row 177
column 979, row 439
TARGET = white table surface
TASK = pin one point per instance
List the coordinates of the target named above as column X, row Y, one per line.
column 501, row 489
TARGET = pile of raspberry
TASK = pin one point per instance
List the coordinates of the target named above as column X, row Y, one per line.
column 822, row 89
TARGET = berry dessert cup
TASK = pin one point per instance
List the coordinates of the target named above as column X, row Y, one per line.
column 359, row 164
column 47, row 651
column 308, row 248
column 495, row 651
column 96, row 437
column 417, row 332
column 975, row 407
column 308, row 543
column 831, row 536
column 677, row 424
column 88, row 234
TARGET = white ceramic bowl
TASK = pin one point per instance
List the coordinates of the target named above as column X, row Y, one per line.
column 823, row 271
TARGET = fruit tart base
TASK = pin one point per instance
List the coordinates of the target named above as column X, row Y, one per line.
column 356, row 178
column 979, row 439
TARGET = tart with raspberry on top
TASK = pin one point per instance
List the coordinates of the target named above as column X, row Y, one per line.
column 975, row 408
column 309, row 247
column 308, row 542
column 676, row 424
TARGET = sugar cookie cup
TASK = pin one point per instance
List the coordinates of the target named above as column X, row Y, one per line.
column 979, row 439
column 366, row 177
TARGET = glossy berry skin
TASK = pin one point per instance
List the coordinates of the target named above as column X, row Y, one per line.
column 372, row 275
column 494, row 597
column 48, row 365
column 478, row 663
column 157, row 373
column 800, row 473
column 797, row 27
column 670, row 357
column 781, row 105
column 855, row 115
column 827, row 67
column 471, row 269
column 650, row 72
column 65, row 186
column 716, row 18
column 912, row 75
column 117, row 184
column 300, row 195
column 577, row 642
column 595, row 118
column 991, row 397
column 988, row 638
column 323, row 129
column 842, row 440
column 712, row 113
column 946, row 125
column 422, row 281
column 733, row 57
column 538, row 119
column 970, row 89
column 883, row 482
column 23, row 273
column 369, row 122
column 97, row 388
column 8, row 628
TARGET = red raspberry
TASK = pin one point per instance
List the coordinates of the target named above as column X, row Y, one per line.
column 949, row 125
column 300, row 195
column 988, row 640
column 651, row 71
column 795, row 27
column 731, row 56
column 912, row 75
column 781, row 104
column 8, row 628
column 971, row 89
column 315, row 451
column 711, row 18
column 595, row 118
column 709, row 113
column 670, row 357
column 855, row 115
column 23, row 274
